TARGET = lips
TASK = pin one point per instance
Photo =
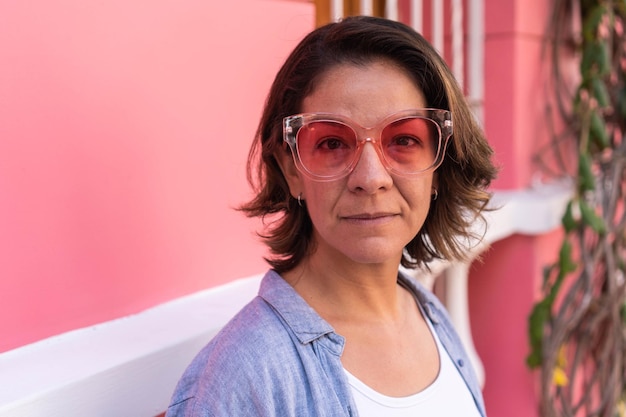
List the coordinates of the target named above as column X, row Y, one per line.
column 370, row 219
column 368, row 216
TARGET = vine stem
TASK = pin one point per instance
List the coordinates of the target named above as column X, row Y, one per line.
column 583, row 333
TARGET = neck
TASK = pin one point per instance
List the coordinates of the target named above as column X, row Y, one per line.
column 349, row 291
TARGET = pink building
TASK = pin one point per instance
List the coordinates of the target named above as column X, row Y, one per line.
column 124, row 129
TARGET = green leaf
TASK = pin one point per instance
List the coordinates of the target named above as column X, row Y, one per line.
column 604, row 59
column 566, row 265
column 533, row 360
column 568, row 221
column 536, row 322
column 537, row 319
column 587, row 61
column 596, row 60
column 591, row 219
column 597, row 129
column 541, row 313
column 591, row 23
column 600, row 92
column 585, row 176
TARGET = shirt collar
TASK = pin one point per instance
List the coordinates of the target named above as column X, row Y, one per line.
column 306, row 324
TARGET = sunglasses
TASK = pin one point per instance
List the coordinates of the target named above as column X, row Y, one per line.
column 327, row 147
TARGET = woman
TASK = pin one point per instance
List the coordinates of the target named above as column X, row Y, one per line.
column 369, row 159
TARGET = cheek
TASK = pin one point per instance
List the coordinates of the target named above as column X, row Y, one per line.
column 416, row 191
column 321, row 193
column 321, row 199
column 418, row 198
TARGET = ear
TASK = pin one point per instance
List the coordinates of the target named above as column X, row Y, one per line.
column 290, row 172
column 434, row 186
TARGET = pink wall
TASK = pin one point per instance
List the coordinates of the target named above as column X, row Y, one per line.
column 124, row 129
column 515, row 93
column 502, row 292
column 504, row 287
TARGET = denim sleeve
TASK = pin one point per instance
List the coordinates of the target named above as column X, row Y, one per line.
column 250, row 368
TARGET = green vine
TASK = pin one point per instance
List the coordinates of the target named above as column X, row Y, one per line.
column 577, row 329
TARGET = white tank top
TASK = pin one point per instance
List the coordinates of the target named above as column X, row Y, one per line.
column 448, row 395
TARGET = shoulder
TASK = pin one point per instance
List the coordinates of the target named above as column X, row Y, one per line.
column 246, row 358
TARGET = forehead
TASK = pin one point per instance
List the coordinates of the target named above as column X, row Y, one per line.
column 365, row 93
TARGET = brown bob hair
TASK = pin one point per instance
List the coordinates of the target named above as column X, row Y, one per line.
column 463, row 177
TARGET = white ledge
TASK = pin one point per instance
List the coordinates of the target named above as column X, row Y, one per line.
column 125, row 367
column 532, row 211
column 129, row 366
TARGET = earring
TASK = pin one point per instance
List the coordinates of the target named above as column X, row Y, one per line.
column 299, row 199
column 435, row 194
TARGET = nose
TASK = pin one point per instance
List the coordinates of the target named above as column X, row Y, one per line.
column 369, row 174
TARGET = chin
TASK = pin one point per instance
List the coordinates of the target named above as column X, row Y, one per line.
column 379, row 258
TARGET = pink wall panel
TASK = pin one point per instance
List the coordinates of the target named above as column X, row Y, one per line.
column 517, row 90
column 124, row 129
column 501, row 295
column 502, row 292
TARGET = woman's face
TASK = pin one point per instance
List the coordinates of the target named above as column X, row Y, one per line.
column 370, row 215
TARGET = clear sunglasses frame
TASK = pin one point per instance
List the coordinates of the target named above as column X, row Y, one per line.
column 442, row 120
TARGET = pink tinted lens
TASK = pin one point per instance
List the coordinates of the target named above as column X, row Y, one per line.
column 410, row 144
column 326, row 148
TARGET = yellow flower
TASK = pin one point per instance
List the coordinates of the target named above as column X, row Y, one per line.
column 559, row 378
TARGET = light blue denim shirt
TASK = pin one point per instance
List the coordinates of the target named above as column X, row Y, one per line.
column 278, row 357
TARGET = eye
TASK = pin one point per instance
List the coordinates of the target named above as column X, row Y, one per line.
column 405, row 141
column 331, row 143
